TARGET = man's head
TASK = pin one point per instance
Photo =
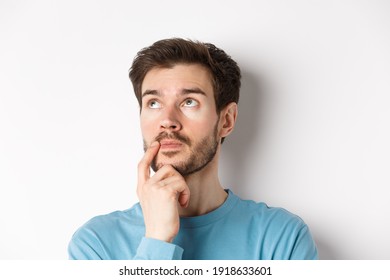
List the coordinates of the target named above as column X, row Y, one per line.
column 188, row 93
column 224, row 71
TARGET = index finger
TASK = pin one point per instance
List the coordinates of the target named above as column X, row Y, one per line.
column 146, row 161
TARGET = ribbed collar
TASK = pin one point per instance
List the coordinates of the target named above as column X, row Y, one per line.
column 220, row 212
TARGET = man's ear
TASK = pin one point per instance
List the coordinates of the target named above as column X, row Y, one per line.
column 227, row 119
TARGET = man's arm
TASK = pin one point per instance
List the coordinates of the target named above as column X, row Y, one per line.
column 160, row 197
column 86, row 245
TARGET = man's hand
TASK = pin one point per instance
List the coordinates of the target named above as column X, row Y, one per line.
column 159, row 196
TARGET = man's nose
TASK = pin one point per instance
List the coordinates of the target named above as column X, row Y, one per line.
column 170, row 120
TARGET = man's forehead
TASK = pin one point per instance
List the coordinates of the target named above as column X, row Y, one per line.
column 183, row 78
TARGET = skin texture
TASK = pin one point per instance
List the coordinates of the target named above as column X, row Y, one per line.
column 182, row 133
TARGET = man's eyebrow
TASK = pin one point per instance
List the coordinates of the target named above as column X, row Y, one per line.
column 184, row 91
column 193, row 90
column 151, row 92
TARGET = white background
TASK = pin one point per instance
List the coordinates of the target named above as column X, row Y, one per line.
column 312, row 135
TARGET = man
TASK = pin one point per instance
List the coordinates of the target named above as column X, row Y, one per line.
column 188, row 94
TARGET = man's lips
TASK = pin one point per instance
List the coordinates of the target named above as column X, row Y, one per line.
column 170, row 144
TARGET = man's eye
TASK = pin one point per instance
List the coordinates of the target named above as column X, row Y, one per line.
column 190, row 103
column 153, row 104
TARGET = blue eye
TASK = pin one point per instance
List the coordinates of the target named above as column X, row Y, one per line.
column 190, row 103
column 154, row 104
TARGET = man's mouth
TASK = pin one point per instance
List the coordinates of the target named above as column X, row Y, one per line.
column 170, row 144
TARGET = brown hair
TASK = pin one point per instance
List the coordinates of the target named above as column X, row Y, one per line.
column 167, row 53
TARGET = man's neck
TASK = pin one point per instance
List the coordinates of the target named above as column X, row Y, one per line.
column 207, row 193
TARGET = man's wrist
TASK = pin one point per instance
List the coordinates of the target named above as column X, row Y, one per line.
column 160, row 237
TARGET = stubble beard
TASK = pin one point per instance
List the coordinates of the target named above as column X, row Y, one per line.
column 200, row 154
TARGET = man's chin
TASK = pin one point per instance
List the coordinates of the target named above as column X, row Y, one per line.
column 158, row 164
column 172, row 163
column 184, row 168
column 169, row 154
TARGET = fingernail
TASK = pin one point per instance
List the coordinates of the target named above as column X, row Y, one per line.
column 154, row 144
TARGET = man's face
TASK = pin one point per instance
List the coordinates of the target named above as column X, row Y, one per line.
column 178, row 110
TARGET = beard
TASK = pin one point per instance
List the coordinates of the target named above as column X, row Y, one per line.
column 200, row 154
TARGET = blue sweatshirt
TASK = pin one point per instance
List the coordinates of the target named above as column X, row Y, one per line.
column 238, row 229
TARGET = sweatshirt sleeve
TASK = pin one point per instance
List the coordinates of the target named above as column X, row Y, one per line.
column 153, row 249
column 304, row 247
column 86, row 245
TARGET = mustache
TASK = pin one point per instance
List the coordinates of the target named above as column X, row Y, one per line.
column 173, row 135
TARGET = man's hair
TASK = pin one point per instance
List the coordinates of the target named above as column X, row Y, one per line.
column 167, row 53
